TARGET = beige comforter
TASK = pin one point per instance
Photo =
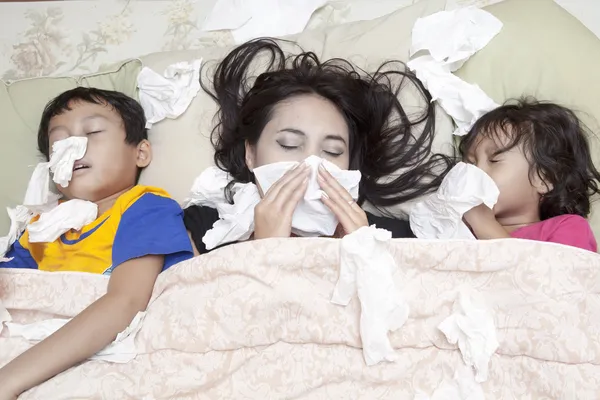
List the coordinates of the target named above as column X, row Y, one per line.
column 254, row 320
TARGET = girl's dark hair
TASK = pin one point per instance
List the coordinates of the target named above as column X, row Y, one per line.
column 383, row 138
column 555, row 143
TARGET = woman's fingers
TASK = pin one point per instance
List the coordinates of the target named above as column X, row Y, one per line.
column 341, row 203
column 336, row 192
column 293, row 174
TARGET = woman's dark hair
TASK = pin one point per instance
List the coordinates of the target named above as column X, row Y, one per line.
column 383, row 137
column 555, row 143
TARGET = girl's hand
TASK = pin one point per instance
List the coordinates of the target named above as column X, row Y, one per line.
column 482, row 222
column 341, row 203
column 273, row 215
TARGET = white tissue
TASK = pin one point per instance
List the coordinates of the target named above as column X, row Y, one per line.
column 4, row 316
column 311, row 217
column 121, row 350
column 72, row 214
column 39, row 198
column 471, row 325
column 250, row 19
column 64, row 154
column 440, row 215
column 462, row 387
column 19, row 218
column 170, row 94
column 451, row 38
column 366, row 270
column 236, row 221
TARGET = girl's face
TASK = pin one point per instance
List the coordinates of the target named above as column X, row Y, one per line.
column 302, row 126
column 519, row 195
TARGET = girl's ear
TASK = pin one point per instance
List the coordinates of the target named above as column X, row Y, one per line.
column 541, row 185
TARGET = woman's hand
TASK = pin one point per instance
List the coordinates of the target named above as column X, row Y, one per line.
column 273, row 215
column 341, row 203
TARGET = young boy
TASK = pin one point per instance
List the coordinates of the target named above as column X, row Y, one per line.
column 138, row 233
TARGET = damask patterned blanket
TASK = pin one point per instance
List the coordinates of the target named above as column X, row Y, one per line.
column 254, row 320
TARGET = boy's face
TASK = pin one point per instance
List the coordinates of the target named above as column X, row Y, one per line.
column 110, row 165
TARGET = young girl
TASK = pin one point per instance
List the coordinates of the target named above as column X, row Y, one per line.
column 538, row 155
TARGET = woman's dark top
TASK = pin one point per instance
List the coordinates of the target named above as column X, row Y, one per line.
column 199, row 219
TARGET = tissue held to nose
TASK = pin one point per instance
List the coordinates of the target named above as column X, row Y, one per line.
column 311, row 217
column 55, row 219
column 39, row 197
column 440, row 215
column 236, row 221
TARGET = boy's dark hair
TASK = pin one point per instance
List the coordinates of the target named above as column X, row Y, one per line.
column 555, row 143
column 130, row 110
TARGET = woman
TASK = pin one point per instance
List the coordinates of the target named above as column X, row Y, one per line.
column 300, row 107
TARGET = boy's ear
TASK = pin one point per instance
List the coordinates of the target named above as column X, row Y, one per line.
column 144, row 154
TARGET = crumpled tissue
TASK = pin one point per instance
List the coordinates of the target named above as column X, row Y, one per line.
column 4, row 316
column 72, row 214
column 39, row 198
column 250, row 19
column 366, row 270
column 439, row 215
column 311, row 217
column 462, row 387
column 19, row 218
column 471, row 325
column 122, row 350
column 451, row 38
column 170, row 94
column 236, row 221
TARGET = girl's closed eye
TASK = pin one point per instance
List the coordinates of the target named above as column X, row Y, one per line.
column 93, row 132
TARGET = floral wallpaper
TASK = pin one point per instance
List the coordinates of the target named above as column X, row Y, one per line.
column 73, row 37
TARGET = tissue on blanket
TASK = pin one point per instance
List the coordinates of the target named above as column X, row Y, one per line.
column 19, row 218
column 451, row 38
column 439, row 215
column 72, row 214
column 170, row 94
column 366, row 269
column 236, row 221
column 250, row 19
column 311, row 217
column 4, row 316
column 471, row 325
column 121, row 350
column 462, row 387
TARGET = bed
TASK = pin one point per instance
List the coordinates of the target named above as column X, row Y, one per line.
column 255, row 320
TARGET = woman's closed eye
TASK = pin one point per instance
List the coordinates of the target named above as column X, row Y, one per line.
column 333, row 153
column 287, row 147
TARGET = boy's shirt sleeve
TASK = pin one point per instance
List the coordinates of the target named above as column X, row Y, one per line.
column 153, row 225
column 19, row 257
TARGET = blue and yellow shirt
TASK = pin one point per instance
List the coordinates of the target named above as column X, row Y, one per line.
column 143, row 221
